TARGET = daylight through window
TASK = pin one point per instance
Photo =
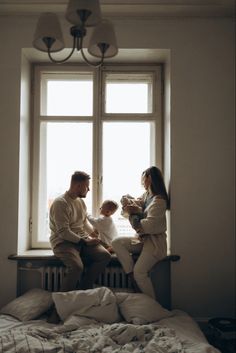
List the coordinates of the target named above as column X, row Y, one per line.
column 107, row 123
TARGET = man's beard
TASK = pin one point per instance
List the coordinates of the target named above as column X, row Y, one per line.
column 82, row 196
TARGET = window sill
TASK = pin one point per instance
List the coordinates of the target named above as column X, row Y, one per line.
column 34, row 254
column 47, row 255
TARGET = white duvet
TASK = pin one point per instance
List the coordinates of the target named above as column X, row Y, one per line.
column 92, row 324
column 84, row 336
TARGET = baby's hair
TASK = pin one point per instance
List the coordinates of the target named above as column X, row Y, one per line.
column 112, row 205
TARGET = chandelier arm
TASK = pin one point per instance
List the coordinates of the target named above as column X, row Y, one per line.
column 97, row 64
column 63, row 60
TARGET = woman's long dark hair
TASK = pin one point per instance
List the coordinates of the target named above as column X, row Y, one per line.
column 157, row 183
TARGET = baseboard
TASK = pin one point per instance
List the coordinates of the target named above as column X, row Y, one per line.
column 203, row 324
column 202, row 320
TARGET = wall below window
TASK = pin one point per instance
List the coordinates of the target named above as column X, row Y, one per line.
column 201, row 118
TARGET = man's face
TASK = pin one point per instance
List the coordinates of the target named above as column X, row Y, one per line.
column 82, row 188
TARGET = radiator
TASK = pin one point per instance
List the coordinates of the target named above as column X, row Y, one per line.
column 36, row 273
column 114, row 277
column 50, row 277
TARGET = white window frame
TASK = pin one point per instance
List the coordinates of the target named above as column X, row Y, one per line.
column 98, row 117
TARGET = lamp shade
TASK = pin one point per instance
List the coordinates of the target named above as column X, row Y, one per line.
column 103, row 34
column 48, row 26
column 74, row 6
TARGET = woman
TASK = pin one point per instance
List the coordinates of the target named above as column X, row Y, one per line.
column 150, row 240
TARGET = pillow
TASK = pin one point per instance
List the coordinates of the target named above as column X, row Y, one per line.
column 98, row 304
column 138, row 308
column 30, row 305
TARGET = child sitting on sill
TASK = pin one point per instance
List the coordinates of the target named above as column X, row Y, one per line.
column 104, row 224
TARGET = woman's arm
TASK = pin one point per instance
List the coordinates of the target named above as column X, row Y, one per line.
column 155, row 220
column 134, row 220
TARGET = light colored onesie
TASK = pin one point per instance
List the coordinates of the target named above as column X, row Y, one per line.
column 106, row 228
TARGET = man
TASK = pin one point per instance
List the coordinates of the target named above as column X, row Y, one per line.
column 73, row 239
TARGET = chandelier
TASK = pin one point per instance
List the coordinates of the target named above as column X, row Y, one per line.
column 82, row 14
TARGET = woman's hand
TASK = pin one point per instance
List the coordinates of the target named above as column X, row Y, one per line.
column 132, row 209
column 141, row 237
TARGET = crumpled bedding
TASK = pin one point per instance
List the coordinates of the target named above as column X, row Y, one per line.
column 105, row 338
column 88, row 336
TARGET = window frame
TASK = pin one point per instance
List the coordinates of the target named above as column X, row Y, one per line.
column 97, row 118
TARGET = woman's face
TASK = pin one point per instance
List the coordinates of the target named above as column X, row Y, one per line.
column 146, row 181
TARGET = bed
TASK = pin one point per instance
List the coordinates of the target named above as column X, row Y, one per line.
column 97, row 320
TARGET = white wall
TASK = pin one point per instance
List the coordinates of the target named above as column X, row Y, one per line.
column 9, row 157
column 202, row 152
column 24, row 158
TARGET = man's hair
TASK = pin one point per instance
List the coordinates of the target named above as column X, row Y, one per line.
column 79, row 176
column 112, row 205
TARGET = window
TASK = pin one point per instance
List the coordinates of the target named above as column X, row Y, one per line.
column 106, row 122
column 128, row 93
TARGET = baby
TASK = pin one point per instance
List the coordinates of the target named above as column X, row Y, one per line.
column 132, row 206
column 104, row 223
column 133, row 209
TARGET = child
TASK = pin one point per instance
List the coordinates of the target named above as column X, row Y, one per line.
column 104, row 223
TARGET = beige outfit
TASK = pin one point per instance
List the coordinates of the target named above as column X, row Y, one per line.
column 68, row 220
column 151, row 250
column 69, row 224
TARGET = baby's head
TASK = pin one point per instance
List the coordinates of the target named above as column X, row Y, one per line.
column 108, row 207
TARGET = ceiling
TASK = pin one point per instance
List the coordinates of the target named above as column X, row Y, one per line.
column 128, row 8
column 143, row 9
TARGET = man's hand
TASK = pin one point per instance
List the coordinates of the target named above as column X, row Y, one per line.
column 110, row 249
column 94, row 234
column 89, row 241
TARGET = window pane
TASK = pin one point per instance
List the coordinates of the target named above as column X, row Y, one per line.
column 65, row 148
column 128, row 93
column 126, row 153
column 68, row 97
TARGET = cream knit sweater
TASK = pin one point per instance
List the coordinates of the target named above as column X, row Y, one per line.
column 155, row 217
column 68, row 220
